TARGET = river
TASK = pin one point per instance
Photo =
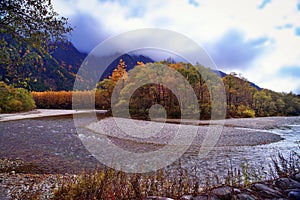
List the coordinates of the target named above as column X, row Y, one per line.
column 53, row 145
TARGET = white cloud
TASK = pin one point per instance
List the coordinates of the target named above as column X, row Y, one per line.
column 206, row 22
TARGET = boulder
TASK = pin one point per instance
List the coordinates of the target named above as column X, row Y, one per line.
column 224, row 192
column 157, row 198
column 297, row 177
column 214, row 197
column 294, row 195
column 236, row 191
column 287, row 183
column 201, row 197
column 266, row 191
column 244, row 197
column 187, row 197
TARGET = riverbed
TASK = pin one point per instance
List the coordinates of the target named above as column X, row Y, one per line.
column 53, row 144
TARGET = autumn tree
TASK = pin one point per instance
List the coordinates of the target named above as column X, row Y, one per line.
column 243, row 100
column 239, row 95
column 108, row 85
column 292, row 104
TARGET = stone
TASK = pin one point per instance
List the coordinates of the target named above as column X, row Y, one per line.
column 187, row 197
column 297, row 177
column 287, row 183
column 294, row 195
column 236, row 191
column 224, row 192
column 201, row 197
column 214, row 197
column 266, row 191
column 244, row 197
column 157, row 198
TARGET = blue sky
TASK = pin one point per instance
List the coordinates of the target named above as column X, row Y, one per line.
column 258, row 38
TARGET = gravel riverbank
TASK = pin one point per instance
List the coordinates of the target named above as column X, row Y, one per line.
column 237, row 132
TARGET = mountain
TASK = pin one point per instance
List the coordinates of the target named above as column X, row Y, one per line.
column 130, row 61
column 69, row 57
column 38, row 71
column 55, row 71
column 222, row 75
column 219, row 73
column 58, row 70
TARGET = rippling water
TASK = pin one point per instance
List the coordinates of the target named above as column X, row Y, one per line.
column 257, row 157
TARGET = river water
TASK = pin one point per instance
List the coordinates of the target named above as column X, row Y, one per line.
column 258, row 158
column 54, row 146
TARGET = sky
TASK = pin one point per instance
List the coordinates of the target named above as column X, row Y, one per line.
column 259, row 39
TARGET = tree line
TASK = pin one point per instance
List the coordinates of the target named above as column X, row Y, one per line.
column 242, row 99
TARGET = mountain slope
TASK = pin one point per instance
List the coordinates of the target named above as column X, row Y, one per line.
column 130, row 61
column 37, row 71
column 57, row 71
column 69, row 57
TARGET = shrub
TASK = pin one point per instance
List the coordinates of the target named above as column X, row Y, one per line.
column 53, row 100
column 15, row 99
column 244, row 111
column 65, row 99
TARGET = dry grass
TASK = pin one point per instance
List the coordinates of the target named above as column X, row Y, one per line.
column 111, row 184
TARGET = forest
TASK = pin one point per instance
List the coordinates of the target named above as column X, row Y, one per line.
column 242, row 99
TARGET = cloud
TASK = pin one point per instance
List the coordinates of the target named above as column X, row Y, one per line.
column 242, row 36
column 234, row 50
column 86, row 34
column 264, row 3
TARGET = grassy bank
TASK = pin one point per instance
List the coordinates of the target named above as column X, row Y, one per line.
column 111, row 184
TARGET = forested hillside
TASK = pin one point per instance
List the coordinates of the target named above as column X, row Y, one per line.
column 38, row 71
column 56, row 71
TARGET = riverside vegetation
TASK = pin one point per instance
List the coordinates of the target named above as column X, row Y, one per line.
column 242, row 98
column 15, row 99
column 241, row 183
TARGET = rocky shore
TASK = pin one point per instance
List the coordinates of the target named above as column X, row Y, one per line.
column 279, row 189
